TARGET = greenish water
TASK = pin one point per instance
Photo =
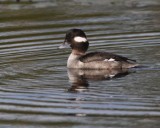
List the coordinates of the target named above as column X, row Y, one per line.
column 37, row 90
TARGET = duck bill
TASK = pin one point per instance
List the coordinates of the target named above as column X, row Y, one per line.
column 64, row 45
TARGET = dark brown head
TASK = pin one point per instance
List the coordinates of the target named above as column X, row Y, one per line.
column 77, row 40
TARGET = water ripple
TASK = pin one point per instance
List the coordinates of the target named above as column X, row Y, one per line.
column 35, row 89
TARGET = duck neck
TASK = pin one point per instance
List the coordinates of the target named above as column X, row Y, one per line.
column 80, row 53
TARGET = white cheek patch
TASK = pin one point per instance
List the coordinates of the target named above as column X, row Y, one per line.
column 80, row 39
column 111, row 59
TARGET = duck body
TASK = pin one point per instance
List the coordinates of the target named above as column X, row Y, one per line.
column 79, row 59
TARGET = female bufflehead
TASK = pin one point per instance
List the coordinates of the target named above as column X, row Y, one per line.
column 78, row 59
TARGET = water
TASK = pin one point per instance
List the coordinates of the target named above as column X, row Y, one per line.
column 37, row 90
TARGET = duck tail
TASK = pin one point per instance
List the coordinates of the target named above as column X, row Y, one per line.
column 129, row 65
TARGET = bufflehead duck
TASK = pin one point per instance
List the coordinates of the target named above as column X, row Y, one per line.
column 79, row 59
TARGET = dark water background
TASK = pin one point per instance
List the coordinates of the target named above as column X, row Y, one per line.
column 35, row 90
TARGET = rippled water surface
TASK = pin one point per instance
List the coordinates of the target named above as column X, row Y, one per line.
column 37, row 90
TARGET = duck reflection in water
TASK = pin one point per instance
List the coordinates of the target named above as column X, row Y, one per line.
column 79, row 77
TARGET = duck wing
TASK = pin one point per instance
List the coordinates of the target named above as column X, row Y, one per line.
column 101, row 56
